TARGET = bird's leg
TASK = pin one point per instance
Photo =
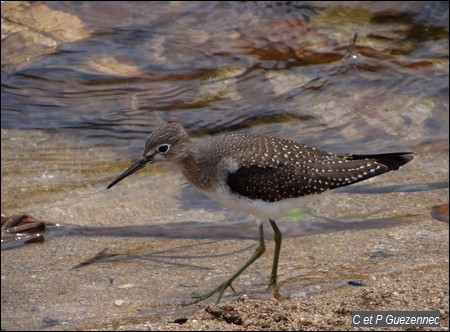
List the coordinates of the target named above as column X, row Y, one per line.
column 227, row 283
column 278, row 237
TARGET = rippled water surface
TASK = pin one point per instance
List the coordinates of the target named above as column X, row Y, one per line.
column 83, row 83
column 112, row 73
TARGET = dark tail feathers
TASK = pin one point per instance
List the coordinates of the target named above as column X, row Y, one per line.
column 393, row 161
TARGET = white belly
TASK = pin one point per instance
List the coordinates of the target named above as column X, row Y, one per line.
column 260, row 209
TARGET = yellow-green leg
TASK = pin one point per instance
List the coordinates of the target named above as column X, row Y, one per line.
column 227, row 283
column 278, row 237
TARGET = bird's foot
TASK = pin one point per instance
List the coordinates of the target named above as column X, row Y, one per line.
column 227, row 283
column 220, row 290
column 272, row 281
column 272, row 285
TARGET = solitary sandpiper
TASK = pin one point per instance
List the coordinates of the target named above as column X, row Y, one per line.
column 261, row 175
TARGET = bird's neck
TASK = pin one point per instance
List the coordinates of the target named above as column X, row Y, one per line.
column 195, row 165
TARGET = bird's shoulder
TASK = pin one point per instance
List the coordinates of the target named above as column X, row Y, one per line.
column 264, row 151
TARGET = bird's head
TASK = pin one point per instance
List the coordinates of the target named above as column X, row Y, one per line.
column 168, row 143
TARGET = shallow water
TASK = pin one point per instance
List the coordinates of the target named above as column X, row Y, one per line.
column 83, row 84
column 271, row 68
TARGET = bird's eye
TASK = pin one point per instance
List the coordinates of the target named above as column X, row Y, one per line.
column 163, row 148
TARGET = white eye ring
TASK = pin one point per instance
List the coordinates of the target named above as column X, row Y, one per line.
column 163, row 148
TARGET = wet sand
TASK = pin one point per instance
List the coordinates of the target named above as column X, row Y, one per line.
column 388, row 242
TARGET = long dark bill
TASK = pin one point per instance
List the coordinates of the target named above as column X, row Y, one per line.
column 140, row 163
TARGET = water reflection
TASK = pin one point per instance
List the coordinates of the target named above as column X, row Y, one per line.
column 123, row 79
